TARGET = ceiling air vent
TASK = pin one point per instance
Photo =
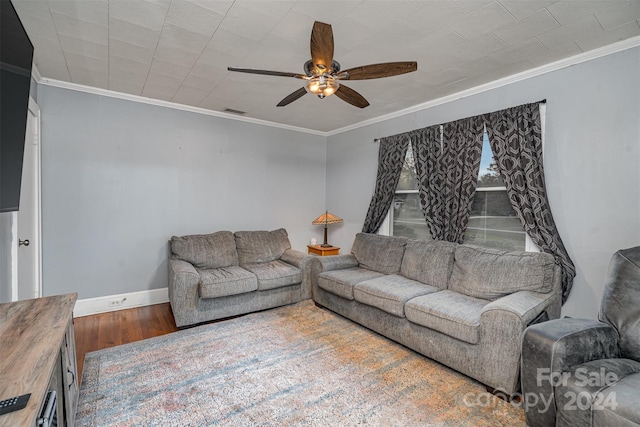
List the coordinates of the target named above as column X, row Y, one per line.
column 232, row 111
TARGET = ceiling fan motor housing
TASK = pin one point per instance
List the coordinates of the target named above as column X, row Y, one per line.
column 311, row 70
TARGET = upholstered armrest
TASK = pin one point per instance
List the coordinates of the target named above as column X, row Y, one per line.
column 294, row 257
column 553, row 347
column 183, row 289
column 337, row 262
column 526, row 305
column 303, row 262
column 501, row 325
column 178, row 266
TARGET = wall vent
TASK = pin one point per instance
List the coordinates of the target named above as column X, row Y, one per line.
column 232, row 111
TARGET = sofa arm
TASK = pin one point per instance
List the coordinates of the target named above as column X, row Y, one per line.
column 183, row 290
column 304, row 263
column 554, row 347
column 337, row 262
column 293, row 257
column 526, row 305
column 178, row 266
column 501, row 325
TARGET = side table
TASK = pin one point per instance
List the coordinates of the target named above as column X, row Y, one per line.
column 321, row 251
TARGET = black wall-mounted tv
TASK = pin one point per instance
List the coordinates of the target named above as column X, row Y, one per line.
column 16, row 56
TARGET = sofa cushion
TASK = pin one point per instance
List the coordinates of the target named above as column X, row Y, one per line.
column 449, row 312
column 255, row 247
column 491, row 274
column 389, row 293
column 275, row 274
column 206, row 250
column 429, row 262
column 225, row 281
column 379, row 253
column 341, row 282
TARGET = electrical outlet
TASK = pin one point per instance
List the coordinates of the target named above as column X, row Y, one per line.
column 115, row 302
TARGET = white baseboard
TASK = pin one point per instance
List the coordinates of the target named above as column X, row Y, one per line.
column 86, row 307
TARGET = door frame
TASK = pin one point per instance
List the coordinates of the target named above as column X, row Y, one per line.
column 35, row 139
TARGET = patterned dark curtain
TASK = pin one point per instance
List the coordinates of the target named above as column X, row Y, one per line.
column 447, row 161
column 427, row 145
column 516, row 141
column 390, row 159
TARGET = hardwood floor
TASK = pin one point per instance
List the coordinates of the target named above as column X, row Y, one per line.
column 105, row 330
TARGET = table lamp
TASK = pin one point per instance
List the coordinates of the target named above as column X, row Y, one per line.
column 326, row 219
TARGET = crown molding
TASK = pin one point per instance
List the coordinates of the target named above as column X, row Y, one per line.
column 168, row 104
column 543, row 69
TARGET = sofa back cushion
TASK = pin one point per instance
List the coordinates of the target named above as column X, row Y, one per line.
column 491, row 274
column 429, row 262
column 255, row 247
column 379, row 253
column 206, row 250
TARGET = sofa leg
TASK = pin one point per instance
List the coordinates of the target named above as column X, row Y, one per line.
column 515, row 397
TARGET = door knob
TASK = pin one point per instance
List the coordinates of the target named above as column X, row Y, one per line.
column 23, row 242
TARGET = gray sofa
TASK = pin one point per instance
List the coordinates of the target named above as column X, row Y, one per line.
column 225, row 274
column 464, row 306
column 584, row 372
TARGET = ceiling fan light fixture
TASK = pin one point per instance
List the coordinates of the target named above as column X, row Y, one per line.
column 323, row 86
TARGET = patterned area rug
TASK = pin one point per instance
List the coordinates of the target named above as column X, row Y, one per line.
column 294, row 365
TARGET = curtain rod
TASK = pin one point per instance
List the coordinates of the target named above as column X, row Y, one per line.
column 542, row 101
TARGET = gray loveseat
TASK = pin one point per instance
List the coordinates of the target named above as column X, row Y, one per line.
column 463, row 306
column 225, row 274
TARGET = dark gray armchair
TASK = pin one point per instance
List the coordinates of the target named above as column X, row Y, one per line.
column 580, row 372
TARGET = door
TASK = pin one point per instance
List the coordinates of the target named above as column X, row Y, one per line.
column 28, row 280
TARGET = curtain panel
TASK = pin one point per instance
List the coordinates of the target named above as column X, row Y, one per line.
column 427, row 147
column 515, row 137
column 392, row 152
column 447, row 159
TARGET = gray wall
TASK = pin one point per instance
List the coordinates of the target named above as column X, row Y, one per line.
column 592, row 161
column 120, row 177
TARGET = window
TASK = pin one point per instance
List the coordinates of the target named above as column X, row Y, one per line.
column 405, row 216
column 492, row 223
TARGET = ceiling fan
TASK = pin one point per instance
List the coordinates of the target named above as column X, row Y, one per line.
column 323, row 74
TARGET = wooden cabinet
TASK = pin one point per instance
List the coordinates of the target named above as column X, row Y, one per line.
column 38, row 354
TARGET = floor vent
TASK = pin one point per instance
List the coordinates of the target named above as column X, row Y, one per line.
column 232, row 111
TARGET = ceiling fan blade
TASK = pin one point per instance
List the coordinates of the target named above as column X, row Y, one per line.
column 292, row 97
column 322, row 46
column 351, row 96
column 377, row 71
column 267, row 72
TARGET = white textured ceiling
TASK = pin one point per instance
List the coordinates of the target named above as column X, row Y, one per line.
column 179, row 50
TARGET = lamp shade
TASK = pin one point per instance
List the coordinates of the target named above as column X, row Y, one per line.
column 327, row 218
